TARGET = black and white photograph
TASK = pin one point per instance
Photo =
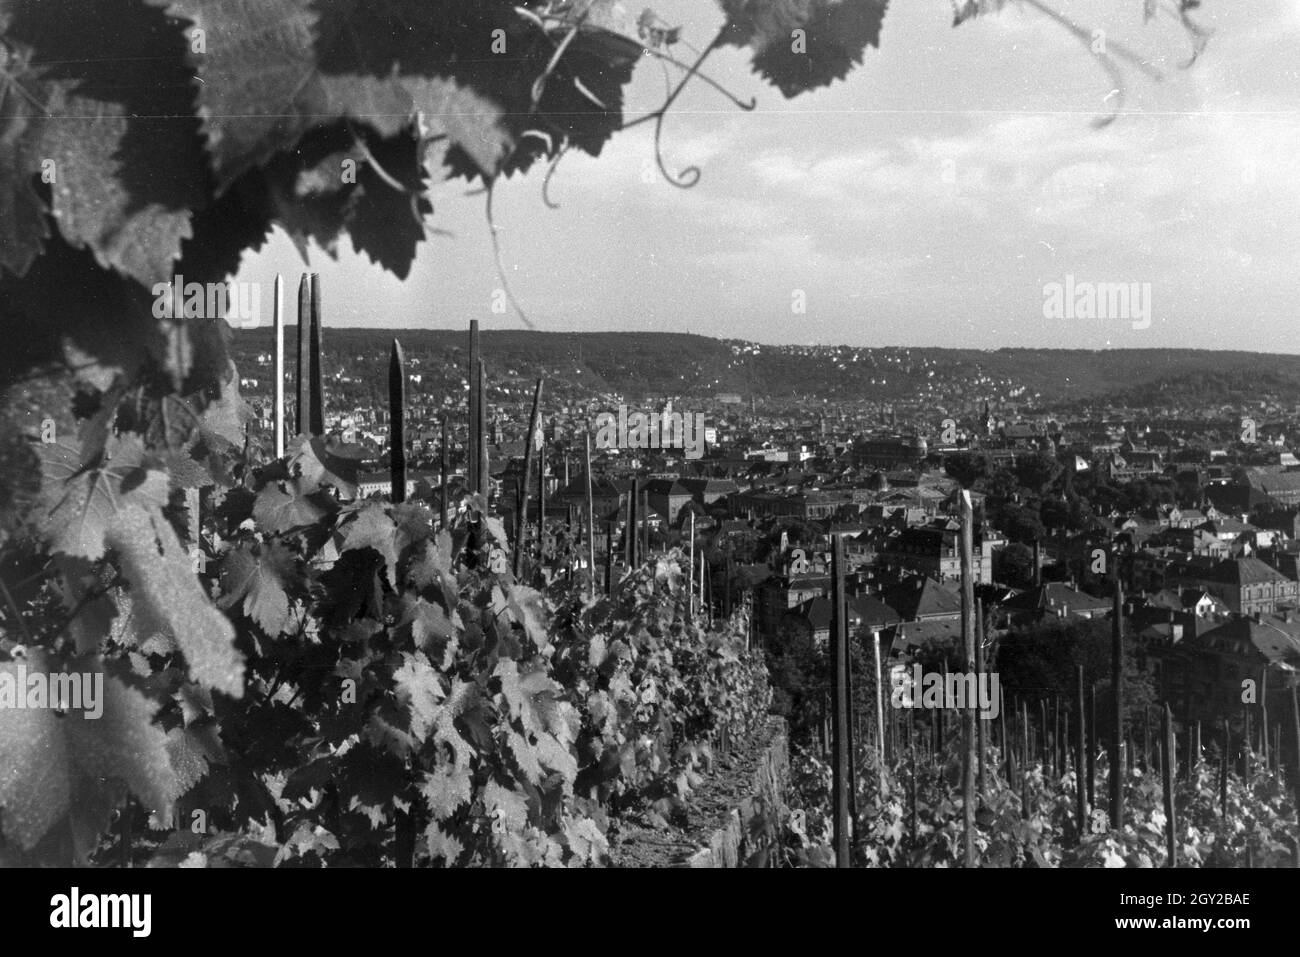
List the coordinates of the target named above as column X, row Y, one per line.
column 713, row 435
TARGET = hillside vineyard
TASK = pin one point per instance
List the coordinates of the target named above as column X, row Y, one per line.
column 552, row 434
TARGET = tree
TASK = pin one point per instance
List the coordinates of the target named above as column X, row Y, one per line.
column 1014, row 566
column 1038, row 473
column 966, row 467
column 1039, row 660
column 1020, row 524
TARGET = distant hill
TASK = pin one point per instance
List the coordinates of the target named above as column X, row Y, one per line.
column 651, row 363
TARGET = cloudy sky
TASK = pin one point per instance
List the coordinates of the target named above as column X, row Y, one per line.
column 926, row 200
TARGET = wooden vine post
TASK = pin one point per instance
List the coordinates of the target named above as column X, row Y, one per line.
column 1080, row 763
column 1295, row 766
column 317, row 372
column 968, row 639
column 397, row 424
column 1117, row 693
column 880, row 711
column 690, row 565
column 1168, row 770
column 1091, row 757
column 911, row 743
column 591, row 523
column 609, row 558
column 541, row 504
column 1025, row 757
column 1147, row 762
column 979, row 679
column 444, row 479
column 1024, row 765
column 1005, row 749
column 484, row 475
column 1224, row 759
column 1044, row 742
column 277, row 322
column 1196, row 753
column 532, row 444
column 1057, row 745
column 472, row 454
column 302, row 383
column 841, row 768
column 629, row 531
column 1263, row 714
column 645, row 524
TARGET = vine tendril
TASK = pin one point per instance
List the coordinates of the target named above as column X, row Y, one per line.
column 1199, row 34
column 1106, row 59
column 496, row 253
column 369, row 157
column 550, row 172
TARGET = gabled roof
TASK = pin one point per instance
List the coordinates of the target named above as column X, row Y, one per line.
column 915, row 634
column 665, row 487
column 874, row 612
column 710, row 486
column 1055, row 596
column 1244, row 571
column 1272, row 637
column 920, row 597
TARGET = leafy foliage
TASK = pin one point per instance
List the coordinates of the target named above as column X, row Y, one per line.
column 1031, row 821
column 800, row 45
column 396, row 687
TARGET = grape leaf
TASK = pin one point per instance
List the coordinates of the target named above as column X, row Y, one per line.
column 321, row 461
column 528, row 610
column 833, row 38
column 431, row 565
column 370, row 527
column 80, row 503
column 70, row 767
column 442, row 846
column 419, row 692
column 385, row 223
column 586, row 841
column 122, row 135
column 472, row 123
column 445, row 789
column 277, row 511
column 257, row 576
column 427, row 627
column 168, row 595
column 23, row 226
column 76, row 582
column 507, row 806
column 529, row 766
column 414, row 523
column 530, row 696
column 184, row 471
column 462, row 702
column 189, row 751
column 229, row 413
column 556, row 756
column 284, row 66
